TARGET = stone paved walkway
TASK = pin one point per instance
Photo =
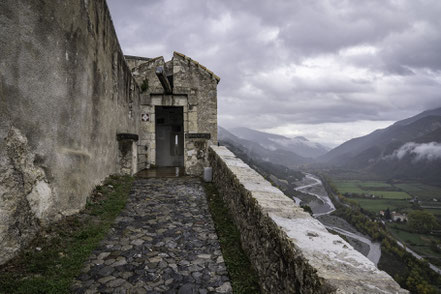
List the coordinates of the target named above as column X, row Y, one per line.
column 163, row 241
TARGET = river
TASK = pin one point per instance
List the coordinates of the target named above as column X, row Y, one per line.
column 322, row 206
column 314, row 186
column 374, row 253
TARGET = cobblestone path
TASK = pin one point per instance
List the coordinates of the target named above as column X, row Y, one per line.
column 163, row 241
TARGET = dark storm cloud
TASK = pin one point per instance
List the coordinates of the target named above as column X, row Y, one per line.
column 299, row 64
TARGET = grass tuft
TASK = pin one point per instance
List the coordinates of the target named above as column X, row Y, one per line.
column 243, row 277
column 56, row 256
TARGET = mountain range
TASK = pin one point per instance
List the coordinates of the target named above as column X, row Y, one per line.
column 299, row 145
column 257, row 152
column 408, row 149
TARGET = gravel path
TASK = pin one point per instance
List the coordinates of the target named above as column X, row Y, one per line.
column 163, row 242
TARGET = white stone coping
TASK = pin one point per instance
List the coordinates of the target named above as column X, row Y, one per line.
column 334, row 259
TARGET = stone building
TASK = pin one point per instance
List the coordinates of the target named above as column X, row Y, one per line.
column 178, row 112
column 74, row 110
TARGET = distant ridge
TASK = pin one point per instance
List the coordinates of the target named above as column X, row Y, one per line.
column 257, row 152
column 299, row 145
column 377, row 152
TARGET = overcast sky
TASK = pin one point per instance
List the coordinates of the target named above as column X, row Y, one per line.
column 327, row 70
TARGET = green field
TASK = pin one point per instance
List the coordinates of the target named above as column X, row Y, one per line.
column 375, row 205
column 420, row 243
column 378, row 188
column 422, row 191
column 435, row 212
column 394, row 196
column 409, row 238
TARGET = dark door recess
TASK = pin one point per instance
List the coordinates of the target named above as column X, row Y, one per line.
column 169, row 136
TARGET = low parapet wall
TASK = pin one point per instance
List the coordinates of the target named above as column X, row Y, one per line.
column 291, row 251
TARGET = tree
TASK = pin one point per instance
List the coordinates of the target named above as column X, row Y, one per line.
column 417, row 284
column 422, row 221
column 387, row 214
column 306, row 208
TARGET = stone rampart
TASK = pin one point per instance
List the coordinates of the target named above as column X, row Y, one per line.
column 65, row 93
column 291, row 251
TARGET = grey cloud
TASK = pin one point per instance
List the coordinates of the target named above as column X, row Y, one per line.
column 420, row 49
column 426, row 151
column 245, row 42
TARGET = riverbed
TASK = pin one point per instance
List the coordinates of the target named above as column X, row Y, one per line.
column 313, row 194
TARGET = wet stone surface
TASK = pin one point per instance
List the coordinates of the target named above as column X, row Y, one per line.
column 163, row 242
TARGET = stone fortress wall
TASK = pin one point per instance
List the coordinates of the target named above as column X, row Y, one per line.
column 65, row 93
column 194, row 88
column 291, row 251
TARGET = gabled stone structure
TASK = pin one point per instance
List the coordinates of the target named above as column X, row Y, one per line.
column 181, row 90
column 72, row 112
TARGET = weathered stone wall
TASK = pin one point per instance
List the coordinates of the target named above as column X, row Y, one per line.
column 291, row 251
column 195, row 89
column 65, row 92
column 200, row 85
column 143, row 70
column 128, row 154
column 135, row 61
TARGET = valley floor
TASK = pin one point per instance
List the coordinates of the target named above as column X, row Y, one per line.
column 315, row 196
column 400, row 197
